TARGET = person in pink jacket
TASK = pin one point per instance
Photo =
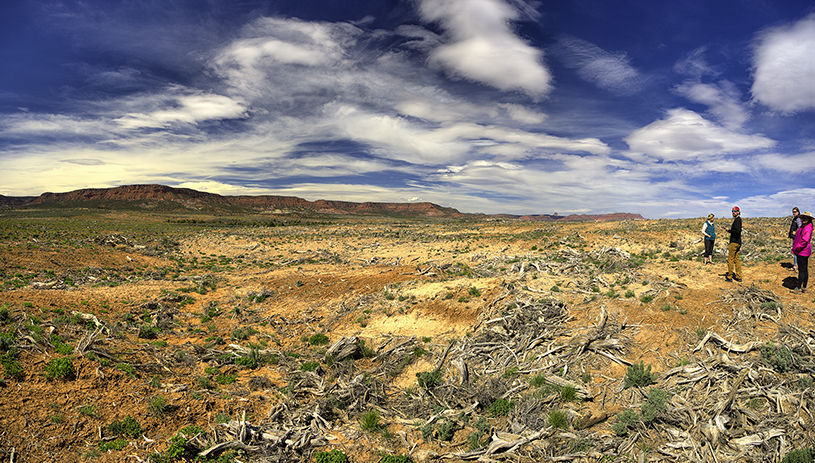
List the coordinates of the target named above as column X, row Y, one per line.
column 802, row 248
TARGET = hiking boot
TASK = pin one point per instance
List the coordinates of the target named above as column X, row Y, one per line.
column 728, row 279
column 738, row 279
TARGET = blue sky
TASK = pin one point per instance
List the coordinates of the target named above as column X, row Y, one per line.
column 667, row 109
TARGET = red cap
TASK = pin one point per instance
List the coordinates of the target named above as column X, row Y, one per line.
column 735, row 208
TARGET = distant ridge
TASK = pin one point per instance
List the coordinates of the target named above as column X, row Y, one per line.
column 166, row 198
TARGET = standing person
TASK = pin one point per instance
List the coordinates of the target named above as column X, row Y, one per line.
column 794, row 226
column 734, row 248
column 710, row 237
column 802, row 247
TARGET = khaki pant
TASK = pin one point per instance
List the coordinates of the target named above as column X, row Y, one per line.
column 733, row 262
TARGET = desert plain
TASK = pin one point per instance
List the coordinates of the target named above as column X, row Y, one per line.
column 150, row 336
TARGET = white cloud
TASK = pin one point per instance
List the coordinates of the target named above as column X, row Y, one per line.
column 789, row 163
column 609, row 71
column 529, row 140
column 51, row 125
column 723, row 100
column 522, row 114
column 186, row 109
column 276, row 56
column 684, row 135
column 777, row 204
column 479, row 36
column 695, row 65
column 432, row 109
column 784, row 66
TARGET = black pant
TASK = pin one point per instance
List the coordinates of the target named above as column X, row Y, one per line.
column 803, row 271
column 708, row 248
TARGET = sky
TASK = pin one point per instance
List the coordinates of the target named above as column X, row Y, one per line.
column 669, row 109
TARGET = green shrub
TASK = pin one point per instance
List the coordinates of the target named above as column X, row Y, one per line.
column 646, row 298
column 60, row 368
column 318, row 339
column 224, row 379
column 191, row 430
column 127, row 368
column 149, row 332
column 332, row 456
column 625, row 420
column 127, row 427
column 117, row 444
column 804, row 455
column 639, row 375
column 396, row 459
column 158, row 405
column 87, row 410
column 445, row 430
column 369, row 421
column 568, row 394
column 780, row 357
column 7, row 341
column 510, row 372
column 204, row 382
column 309, row 366
column 251, row 360
column 557, row 419
column 63, row 349
column 11, row 367
column 429, row 379
column 501, row 407
column 655, row 405
column 537, row 380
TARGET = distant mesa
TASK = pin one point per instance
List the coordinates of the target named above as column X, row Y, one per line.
column 165, row 198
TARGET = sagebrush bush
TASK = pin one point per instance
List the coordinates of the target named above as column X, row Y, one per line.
column 501, row 407
column 127, row 427
column 429, row 379
column 60, row 368
column 639, row 375
column 331, row 456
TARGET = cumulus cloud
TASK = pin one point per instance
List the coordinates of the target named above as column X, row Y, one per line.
column 684, row 135
column 478, row 36
column 723, row 99
column 784, row 66
column 609, row 71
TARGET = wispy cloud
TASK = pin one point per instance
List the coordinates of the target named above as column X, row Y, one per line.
column 695, row 64
column 784, row 66
column 723, row 99
column 609, row 71
column 479, row 36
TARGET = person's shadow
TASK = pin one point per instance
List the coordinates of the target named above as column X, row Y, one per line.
column 790, row 282
column 787, row 265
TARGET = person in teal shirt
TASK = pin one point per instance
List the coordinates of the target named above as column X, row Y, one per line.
column 710, row 237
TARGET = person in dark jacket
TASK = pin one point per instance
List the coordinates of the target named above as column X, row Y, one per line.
column 709, row 230
column 794, row 226
column 734, row 248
